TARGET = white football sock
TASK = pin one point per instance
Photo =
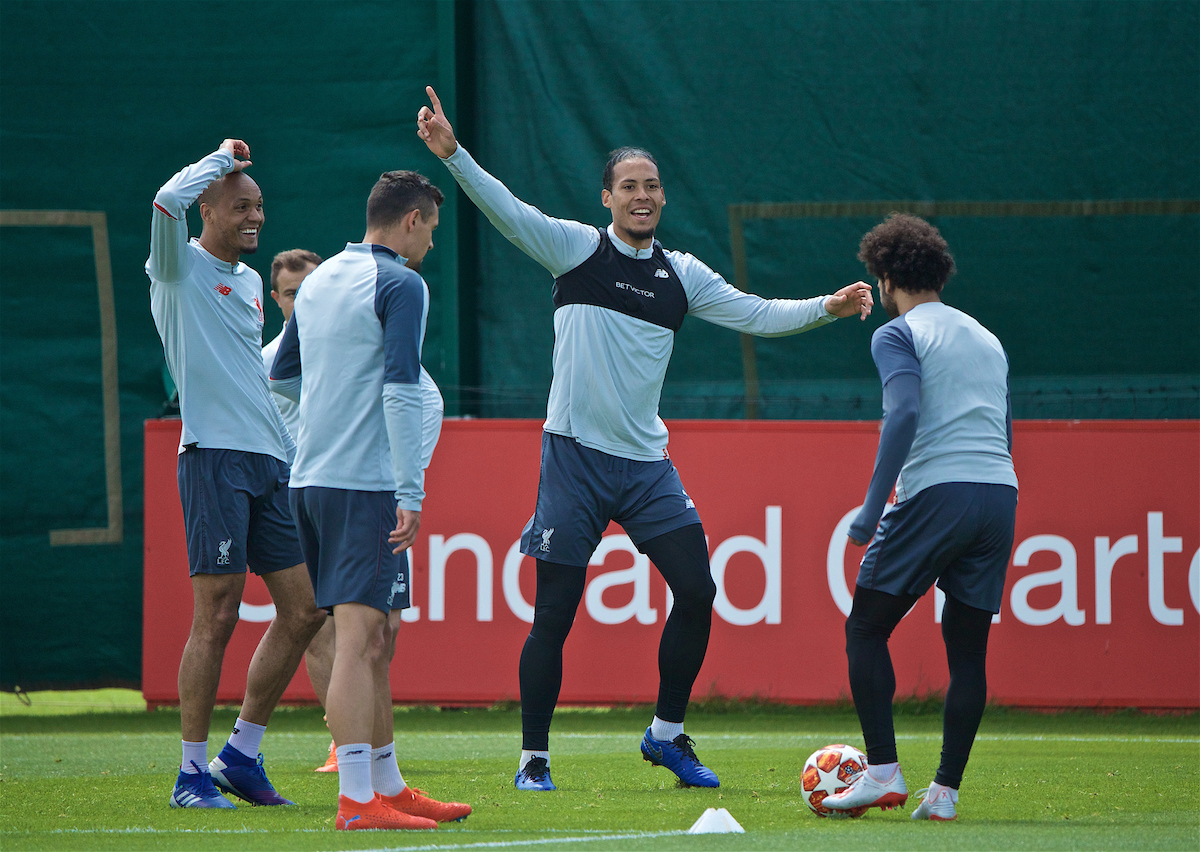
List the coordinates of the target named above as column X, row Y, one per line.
column 882, row 771
column 527, row 756
column 664, row 731
column 197, row 752
column 247, row 737
column 354, row 772
column 385, row 772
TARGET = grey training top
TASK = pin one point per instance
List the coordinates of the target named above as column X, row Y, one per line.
column 609, row 367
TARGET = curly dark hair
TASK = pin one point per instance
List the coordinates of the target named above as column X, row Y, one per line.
column 909, row 252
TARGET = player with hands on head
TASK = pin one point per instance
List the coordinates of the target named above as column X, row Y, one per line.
column 619, row 299
column 946, row 447
column 233, row 468
column 351, row 357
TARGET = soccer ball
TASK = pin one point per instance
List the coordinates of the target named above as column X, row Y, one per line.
column 830, row 770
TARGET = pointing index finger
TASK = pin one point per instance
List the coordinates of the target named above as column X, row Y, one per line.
column 433, row 99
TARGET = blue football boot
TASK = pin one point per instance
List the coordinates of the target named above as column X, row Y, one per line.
column 678, row 756
column 534, row 775
column 197, row 791
column 244, row 777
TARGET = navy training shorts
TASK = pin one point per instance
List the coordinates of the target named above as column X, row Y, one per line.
column 581, row 490
column 344, row 535
column 957, row 533
column 235, row 512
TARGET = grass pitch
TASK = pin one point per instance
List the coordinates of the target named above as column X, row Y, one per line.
column 100, row 780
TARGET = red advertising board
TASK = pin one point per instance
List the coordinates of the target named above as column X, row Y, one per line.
column 1101, row 607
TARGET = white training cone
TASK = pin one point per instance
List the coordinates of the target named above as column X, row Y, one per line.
column 716, row 821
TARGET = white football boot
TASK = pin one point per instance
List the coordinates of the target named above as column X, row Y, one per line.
column 937, row 803
column 866, row 792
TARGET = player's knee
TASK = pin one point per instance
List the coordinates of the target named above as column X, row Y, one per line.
column 695, row 596
column 552, row 624
column 302, row 619
column 218, row 622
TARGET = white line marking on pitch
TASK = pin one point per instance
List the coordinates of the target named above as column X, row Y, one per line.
column 509, row 844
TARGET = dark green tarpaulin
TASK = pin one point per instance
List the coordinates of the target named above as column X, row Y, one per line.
column 742, row 102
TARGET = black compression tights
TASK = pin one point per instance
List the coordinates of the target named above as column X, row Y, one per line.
column 873, row 682
column 681, row 556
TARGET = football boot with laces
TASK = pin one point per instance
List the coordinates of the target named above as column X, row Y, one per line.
column 235, row 773
column 679, row 756
column 534, row 775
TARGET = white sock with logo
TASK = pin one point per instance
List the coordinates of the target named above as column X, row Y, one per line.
column 247, row 737
column 527, row 755
column 197, row 752
column 385, row 772
column 882, row 772
column 664, row 731
column 354, row 772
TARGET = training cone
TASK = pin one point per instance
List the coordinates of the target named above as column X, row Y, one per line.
column 716, row 821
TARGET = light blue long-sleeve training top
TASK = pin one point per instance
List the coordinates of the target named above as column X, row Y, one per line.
column 209, row 315
column 609, row 367
column 947, row 415
column 354, row 346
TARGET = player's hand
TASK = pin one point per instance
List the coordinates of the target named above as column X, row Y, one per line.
column 855, row 541
column 239, row 149
column 848, row 301
column 434, row 128
column 405, row 533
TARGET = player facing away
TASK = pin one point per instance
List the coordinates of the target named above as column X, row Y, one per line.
column 946, row 447
column 619, row 298
column 233, row 468
column 351, row 356
column 288, row 271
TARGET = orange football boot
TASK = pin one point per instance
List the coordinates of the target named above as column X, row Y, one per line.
column 330, row 764
column 415, row 802
column 356, row 816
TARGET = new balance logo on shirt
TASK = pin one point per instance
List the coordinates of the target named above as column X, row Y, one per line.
column 661, row 273
column 223, row 289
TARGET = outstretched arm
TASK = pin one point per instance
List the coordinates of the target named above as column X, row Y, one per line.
column 169, row 261
column 713, row 299
column 558, row 245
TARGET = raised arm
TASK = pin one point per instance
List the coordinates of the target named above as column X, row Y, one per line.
column 169, row 259
column 559, row 245
column 713, row 299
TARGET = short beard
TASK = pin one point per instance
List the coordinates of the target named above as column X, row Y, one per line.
column 888, row 304
column 646, row 234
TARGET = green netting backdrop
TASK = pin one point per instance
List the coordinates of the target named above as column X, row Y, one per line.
column 741, row 102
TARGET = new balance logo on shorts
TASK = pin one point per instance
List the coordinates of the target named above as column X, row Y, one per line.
column 224, row 546
column 545, row 545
